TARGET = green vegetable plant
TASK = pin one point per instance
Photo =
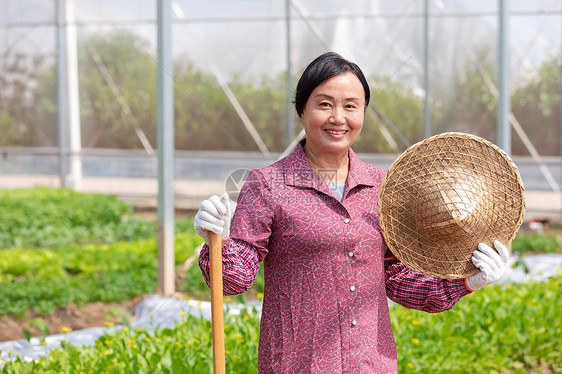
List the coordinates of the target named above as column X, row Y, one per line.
column 539, row 243
column 36, row 282
column 186, row 348
column 53, row 217
column 62, row 247
column 36, row 327
column 499, row 329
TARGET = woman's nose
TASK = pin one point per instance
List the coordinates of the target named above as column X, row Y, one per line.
column 338, row 116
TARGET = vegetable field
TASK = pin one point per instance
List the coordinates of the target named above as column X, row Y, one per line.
column 60, row 247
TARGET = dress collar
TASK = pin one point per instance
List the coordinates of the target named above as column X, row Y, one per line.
column 299, row 172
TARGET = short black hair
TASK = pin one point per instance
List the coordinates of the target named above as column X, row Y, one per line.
column 324, row 67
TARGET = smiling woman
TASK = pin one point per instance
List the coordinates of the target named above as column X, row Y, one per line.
column 312, row 218
column 332, row 120
column 331, row 99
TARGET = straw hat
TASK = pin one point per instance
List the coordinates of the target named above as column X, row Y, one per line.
column 443, row 196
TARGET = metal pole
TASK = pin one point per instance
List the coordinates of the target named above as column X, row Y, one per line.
column 504, row 104
column 165, row 114
column 62, row 93
column 73, row 98
column 426, row 107
column 290, row 125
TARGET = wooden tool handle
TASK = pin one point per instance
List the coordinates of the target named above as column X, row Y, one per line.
column 217, row 312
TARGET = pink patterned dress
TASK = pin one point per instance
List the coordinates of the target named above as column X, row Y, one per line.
column 328, row 271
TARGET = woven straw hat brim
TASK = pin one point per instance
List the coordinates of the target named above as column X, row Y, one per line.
column 445, row 195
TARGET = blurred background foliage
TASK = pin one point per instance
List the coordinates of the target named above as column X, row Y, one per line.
column 206, row 120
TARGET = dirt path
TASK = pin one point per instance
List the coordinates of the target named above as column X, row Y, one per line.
column 73, row 317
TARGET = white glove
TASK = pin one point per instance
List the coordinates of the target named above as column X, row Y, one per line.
column 491, row 265
column 214, row 215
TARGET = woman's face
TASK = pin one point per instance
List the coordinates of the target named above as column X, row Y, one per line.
column 333, row 115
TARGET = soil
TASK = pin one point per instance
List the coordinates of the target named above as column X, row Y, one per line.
column 73, row 317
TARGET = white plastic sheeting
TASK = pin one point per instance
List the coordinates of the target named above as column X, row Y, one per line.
column 153, row 312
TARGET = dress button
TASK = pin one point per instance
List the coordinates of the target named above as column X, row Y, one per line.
column 350, row 254
column 346, row 220
column 353, row 323
column 352, row 288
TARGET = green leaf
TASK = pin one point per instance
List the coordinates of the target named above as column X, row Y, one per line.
column 27, row 334
column 154, row 359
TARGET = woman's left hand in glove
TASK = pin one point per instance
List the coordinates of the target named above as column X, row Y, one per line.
column 491, row 264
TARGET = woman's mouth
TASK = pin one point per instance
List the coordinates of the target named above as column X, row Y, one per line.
column 336, row 132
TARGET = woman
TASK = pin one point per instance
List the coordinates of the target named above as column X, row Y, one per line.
column 312, row 219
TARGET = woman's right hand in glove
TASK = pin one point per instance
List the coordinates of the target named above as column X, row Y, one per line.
column 214, row 215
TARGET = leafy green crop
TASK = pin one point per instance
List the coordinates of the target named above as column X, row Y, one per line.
column 49, row 217
column 42, row 280
column 537, row 243
column 187, row 348
column 500, row 329
column 509, row 329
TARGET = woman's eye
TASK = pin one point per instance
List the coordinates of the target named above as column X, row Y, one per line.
column 325, row 104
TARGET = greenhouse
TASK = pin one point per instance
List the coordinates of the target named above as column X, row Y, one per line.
column 119, row 118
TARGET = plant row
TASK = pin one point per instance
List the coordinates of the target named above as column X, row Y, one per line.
column 537, row 243
column 38, row 281
column 50, row 217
